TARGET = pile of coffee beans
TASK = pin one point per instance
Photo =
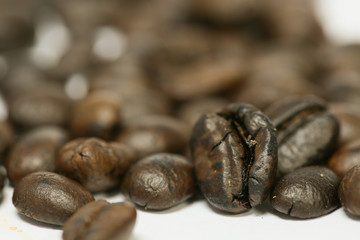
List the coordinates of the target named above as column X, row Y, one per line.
column 238, row 101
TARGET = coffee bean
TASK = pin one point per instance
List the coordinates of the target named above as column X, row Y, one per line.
column 15, row 33
column 2, row 183
column 307, row 192
column 37, row 109
column 306, row 132
column 97, row 115
column 345, row 158
column 349, row 191
column 159, row 181
column 101, row 220
column 6, row 136
column 35, row 151
column 348, row 115
column 155, row 133
column 96, row 164
column 235, row 157
column 49, row 197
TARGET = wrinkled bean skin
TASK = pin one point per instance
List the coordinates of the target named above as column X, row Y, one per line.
column 306, row 132
column 35, row 151
column 349, row 191
column 101, row 220
column 159, row 181
column 96, row 164
column 307, row 192
column 235, row 157
column 345, row 158
column 49, row 197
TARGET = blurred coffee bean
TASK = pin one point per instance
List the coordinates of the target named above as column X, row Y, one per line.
column 149, row 102
column 204, row 78
column 307, row 192
column 265, row 87
column 96, row 164
column 159, row 181
column 15, row 33
column 308, row 31
column 345, row 158
column 349, row 191
column 49, row 197
column 154, row 134
column 7, row 136
column 190, row 111
column 307, row 133
column 2, row 184
column 343, row 86
column 348, row 115
column 35, row 151
column 32, row 110
column 101, row 220
column 235, row 157
column 97, row 115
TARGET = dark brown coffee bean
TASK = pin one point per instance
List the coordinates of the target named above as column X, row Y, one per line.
column 306, row 132
column 49, row 197
column 96, row 164
column 204, row 78
column 101, row 220
column 191, row 111
column 97, row 115
column 15, row 32
column 348, row 115
column 6, row 136
column 36, row 109
column 349, row 191
column 35, row 151
column 154, row 134
column 307, row 192
column 235, row 157
column 272, row 83
column 345, row 158
column 2, row 183
column 159, row 181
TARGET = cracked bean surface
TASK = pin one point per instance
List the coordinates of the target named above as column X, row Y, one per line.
column 235, row 157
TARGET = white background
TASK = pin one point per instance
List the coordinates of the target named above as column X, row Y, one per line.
column 195, row 220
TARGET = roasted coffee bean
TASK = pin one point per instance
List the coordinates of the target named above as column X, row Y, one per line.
column 272, row 83
column 348, row 116
column 101, row 220
column 96, row 164
column 49, row 197
column 35, row 151
column 205, row 78
column 6, row 136
column 15, row 33
column 307, row 192
column 192, row 110
column 159, row 181
column 2, row 183
column 97, row 115
column 349, row 191
column 345, row 158
column 235, row 157
column 306, row 132
column 154, row 134
column 37, row 109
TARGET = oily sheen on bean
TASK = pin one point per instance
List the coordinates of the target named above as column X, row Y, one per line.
column 235, row 157
column 49, row 197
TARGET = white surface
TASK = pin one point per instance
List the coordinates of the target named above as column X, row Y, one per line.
column 196, row 220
